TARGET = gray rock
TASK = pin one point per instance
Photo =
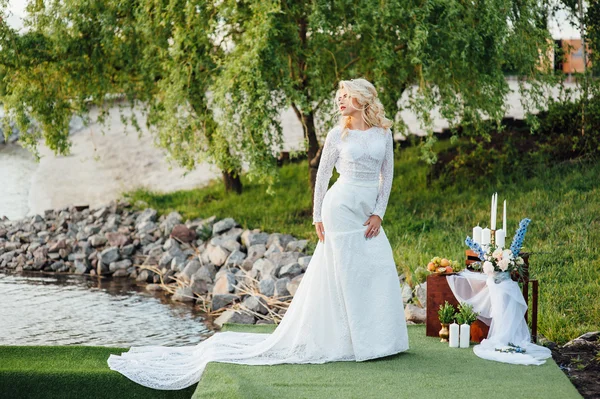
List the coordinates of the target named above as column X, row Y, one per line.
column 256, row 304
column 127, row 250
column 421, row 294
column 297, row 245
column 183, row 294
column 109, row 255
column 235, row 258
column 406, row 293
column 232, row 316
column 303, row 261
column 217, row 255
column 80, row 267
column 117, row 239
column 226, row 242
column 267, row 286
column 265, row 267
column 414, row 313
column 221, row 300
column 154, row 287
column 201, row 287
column 225, row 284
column 172, row 220
column 148, row 215
column 250, row 238
column 223, row 225
column 120, row 265
column 56, row 266
column 290, row 270
column 281, row 287
column 147, row 227
column 97, row 240
column 292, row 286
column 189, row 270
column 279, row 240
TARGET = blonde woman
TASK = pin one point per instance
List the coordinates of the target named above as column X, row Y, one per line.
column 348, row 306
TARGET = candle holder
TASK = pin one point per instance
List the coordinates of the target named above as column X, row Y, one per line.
column 493, row 238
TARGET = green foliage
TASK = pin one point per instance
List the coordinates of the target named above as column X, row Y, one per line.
column 214, row 76
column 421, row 274
column 466, row 315
column 446, row 313
column 562, row 135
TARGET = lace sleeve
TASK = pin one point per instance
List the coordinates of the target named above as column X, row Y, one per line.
column 385, row 177
column 329, row 156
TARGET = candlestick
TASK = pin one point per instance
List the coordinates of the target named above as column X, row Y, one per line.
column 494, row 211
column 504, row 218
column 493, row 237
column 454, row 335
column 500, row 238
column 465, row 335
column 477, row 234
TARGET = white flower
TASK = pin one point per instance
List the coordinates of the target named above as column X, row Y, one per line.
column 488, row 268
column 497, row 254
column 503, row 264
column 507, row 254
column 520, row 261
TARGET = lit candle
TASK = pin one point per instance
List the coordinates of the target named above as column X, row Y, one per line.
column 477, row 234
column 454, row 335
column 500, row 238
column 465, row 335
column 504, row 218
column 486, row 236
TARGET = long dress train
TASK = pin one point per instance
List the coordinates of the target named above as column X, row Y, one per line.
column 348, row 306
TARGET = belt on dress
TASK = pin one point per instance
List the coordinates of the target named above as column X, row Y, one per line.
column 358, row 182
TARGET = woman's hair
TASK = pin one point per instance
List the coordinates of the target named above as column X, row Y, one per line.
column 366, row 97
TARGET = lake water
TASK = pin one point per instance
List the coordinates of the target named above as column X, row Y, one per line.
column 78, row 310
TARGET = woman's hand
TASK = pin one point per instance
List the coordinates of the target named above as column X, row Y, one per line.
column 320, row 230
column 373, row 225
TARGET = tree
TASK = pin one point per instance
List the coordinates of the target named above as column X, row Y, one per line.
column 257, row 58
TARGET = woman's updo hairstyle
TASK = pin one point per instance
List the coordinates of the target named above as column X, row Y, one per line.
column 366, row 95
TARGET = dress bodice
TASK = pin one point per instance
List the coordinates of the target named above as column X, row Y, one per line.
column 361, row 155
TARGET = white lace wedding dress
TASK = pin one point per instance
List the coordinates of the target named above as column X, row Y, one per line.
column 348, row 306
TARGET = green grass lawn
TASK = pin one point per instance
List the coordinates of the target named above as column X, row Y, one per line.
column 430, row 369
column 424, row 221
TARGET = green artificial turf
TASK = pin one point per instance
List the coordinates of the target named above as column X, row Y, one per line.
column 430, row 369
column 78, row 372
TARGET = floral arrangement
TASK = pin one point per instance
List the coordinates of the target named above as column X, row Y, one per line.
column 498, row 259
column 511, row 348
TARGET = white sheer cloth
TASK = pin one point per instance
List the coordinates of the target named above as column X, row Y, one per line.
column 503, row 305
column 348, row 306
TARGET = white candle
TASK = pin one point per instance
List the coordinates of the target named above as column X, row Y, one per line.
column 477, row 234
column 500, row 238
column 504, row 219
column 486, row 236
column 454, row 335
column 465, row 335
column 492, row 212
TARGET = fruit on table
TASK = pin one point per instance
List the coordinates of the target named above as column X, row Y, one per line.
column 431, row 266
column 445, row 262
column 449, row 269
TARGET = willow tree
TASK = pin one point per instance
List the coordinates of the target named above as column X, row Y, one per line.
column 158, row 55
column 218, row 74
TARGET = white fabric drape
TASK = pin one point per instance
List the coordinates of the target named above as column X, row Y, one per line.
column 503, row 304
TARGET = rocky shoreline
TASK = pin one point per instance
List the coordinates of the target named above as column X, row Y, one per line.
column 233, row 274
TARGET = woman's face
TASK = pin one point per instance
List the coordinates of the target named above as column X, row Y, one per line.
column 346, row 105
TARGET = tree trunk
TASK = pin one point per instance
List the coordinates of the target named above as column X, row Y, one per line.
column 313, row 153
column 232, row 182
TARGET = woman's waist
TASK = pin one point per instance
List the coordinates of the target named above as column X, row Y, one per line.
column 357, row 181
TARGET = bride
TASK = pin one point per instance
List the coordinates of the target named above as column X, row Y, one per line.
column 348, row 306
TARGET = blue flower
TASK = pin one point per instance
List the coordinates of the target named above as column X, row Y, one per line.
column 517, row 242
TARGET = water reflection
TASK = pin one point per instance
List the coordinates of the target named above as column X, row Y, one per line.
column 81, row 310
